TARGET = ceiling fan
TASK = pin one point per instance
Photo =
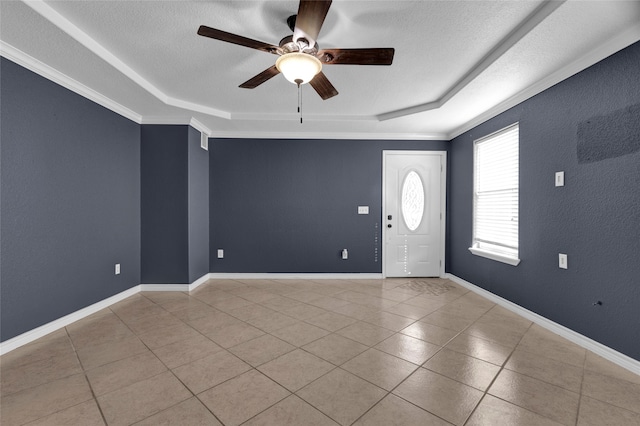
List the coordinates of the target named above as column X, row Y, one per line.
column 300, row 59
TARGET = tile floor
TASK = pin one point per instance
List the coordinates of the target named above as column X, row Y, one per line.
column 304, row 353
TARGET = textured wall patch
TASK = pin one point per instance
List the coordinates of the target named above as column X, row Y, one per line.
column 609, row 136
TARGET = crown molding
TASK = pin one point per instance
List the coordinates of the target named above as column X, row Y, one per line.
column 594, row 56
column 44, row 70
column 530, row 22
column 83, row 38
column 330, row 135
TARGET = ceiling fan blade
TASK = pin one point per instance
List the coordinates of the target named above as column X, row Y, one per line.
column 236, row 39
column 323, row 86
column 311, row 14
column 375, row 56
column 256, row 81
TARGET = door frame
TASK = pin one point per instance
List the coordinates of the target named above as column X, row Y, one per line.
column 443, row 203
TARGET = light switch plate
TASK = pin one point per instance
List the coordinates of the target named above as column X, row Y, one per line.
column 559, row 178
column 220, row 254
column 363, row 209
column 562, row 261
column 117, row 271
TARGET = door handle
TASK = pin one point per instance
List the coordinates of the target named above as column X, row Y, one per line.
column 389, row 217
column 389, row 226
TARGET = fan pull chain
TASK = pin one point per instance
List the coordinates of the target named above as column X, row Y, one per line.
column 299, row 83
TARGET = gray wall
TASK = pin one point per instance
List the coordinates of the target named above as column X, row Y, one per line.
column 70, row 194
column 175, row 205
column 198, row 207
column 291, row 205
column 589, row 127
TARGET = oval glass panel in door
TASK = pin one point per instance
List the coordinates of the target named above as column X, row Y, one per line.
column 412, row 200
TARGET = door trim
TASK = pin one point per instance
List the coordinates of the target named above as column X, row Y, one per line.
column 443, row 203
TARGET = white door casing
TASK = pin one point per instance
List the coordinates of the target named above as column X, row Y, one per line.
column 413, row 213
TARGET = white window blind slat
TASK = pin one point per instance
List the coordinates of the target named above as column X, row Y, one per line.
column 496, row 191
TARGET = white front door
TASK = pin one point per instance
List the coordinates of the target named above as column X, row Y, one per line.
column 412, row 213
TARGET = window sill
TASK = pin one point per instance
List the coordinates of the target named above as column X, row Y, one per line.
column 495, row 256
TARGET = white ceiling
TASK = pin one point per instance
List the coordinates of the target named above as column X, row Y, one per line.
column 456, row 63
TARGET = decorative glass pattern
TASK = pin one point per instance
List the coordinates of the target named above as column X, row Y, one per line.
column 412, row 200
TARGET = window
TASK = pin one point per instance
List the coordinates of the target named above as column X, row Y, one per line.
column 495, row 196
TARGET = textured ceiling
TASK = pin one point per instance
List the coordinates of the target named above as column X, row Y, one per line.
column 456, row 63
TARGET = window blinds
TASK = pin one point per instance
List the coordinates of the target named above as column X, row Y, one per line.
column 495, row 220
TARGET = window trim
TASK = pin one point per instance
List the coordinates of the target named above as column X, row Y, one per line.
column 493, row 255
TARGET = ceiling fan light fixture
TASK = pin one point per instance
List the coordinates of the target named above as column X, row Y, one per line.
column 298, row 67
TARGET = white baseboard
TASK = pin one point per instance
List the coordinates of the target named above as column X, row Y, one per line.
column 43, row 330
column 294, row 276
column 605, row 352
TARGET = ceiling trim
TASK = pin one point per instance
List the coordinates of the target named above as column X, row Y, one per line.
column 83, row 38
column 331, row 135
column 44, row 70
column 594, row 56
column 530, row 22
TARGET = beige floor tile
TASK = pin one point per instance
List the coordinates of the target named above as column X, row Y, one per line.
column 611, row 390
column 341, row 396
column 493, row 411
column 479, row 348
column 328, row 302
column 193, row 312
column 497, row 331
column 40, row 401
column 52, row 345
column 272, row 321
column 142, row 399
column 532, row 394
column 281, row 303
column 394, row 411
column 597, row 413
column 131, row 304
column 241, row 398
column 95, row 356
column 439, row 395
column 408, row 348
column 548, row 370
column 291, row 411
column 597, row 364
column 235, row 334
column 365, row 333
column 136, row 312
column 257, row 296
column 164, row 297
column 331, row 321
column 153, row 322
column 210, row 371
column 464, row 369
column 85, row 414
column 304, row 296
column 379, row 368
column 335, row 348
column 246, row 313
column 229, row 304
column 389, row 321
column 296, row 369
column 186, row 351
column 539, row 341
column 261, row 349
column 213, row 320
column 163, row 336
column 118, row 374
column 23, row 376
column 430, row 333
column 356, row 311
column 303, row 311
column 185, row 304
column 97, row 330
column 430, row 303
column 190, row 412
column 447, row 320
column 300, row 334
column 409, row 311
